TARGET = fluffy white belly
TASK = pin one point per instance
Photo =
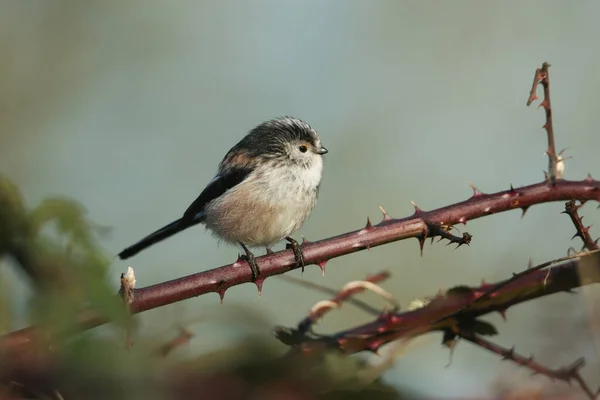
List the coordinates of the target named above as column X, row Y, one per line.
column 265, row 208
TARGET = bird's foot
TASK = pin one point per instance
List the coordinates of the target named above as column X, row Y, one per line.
column 249, row 258
column 297, row 249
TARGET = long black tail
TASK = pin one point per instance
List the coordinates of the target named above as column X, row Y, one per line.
column 158, row 236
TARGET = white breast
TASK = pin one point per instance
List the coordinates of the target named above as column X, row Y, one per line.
column 272, row 203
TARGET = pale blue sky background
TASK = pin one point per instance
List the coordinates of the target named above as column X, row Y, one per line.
column 128, row 106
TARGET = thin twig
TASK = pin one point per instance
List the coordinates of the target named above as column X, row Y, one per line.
column 542, row 77
column 565, row 374
column 327, row 290
column 571, row 209
column 183, row 337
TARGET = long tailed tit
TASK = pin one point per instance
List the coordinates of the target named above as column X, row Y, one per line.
column 265, row 188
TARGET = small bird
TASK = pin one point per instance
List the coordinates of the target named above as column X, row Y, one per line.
column 265, row 188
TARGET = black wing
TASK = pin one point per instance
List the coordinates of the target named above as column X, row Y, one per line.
column 219, row 185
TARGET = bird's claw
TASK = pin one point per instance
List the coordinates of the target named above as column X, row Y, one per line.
column 249, row 258
column 297, row 249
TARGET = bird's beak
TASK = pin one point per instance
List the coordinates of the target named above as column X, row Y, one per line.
column 322, row 150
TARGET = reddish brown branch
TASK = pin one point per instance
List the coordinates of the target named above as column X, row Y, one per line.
column 420, row 224
column 492, row 290
column 468, row 304
column 565, row 374
column 571, row 209
column 461, row 303
column 542, row 77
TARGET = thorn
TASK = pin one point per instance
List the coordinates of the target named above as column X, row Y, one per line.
column 462, row 220
column 476, row 191
column 269, row 251
column 369, row 224
column 305, row 241
column 530, row 264
column 575, row 235
column 374, row 348
column 385, row 316
column 386, row 217
column 523, row 211
column 417, row 209
column 577, row 365
column 512, row 189
column 503, row 314
column 259, row 284
column 589, row 178
column 533, row 98
column 421, row 240
column 509, row 354
column 239, row 259
column 322, row 266
column 221, row 293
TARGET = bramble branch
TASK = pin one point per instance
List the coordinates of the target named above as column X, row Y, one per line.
column 421, row 225
column 456, row 313
column 458, row 305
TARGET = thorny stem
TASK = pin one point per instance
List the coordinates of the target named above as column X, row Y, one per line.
column 530, row 284
column 566, row 374
column 571, row 209
column 390, row 326
column 542, row 77
column 493, row 289
column 420, row 225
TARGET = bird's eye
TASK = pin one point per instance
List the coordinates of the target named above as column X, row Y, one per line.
column 303, row 148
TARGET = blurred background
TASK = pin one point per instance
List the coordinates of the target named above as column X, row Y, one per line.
column 127, row 106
